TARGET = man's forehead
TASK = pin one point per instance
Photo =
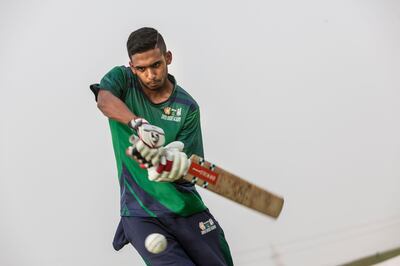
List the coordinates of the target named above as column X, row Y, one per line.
column 147, row 58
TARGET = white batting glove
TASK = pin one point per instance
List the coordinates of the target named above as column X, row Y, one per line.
column 141, row 153
column 172, row 166
column 147, row 144
column 150, row 135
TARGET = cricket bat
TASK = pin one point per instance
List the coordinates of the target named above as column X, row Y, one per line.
column 230, row 186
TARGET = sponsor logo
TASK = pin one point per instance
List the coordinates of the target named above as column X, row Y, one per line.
column 171, row 114
column 203, row 173
column 207, row 226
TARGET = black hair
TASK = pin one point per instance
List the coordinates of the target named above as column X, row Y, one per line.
column 145, row 39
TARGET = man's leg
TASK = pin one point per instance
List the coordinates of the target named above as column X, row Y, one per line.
column 136, row 229
column 202, row 238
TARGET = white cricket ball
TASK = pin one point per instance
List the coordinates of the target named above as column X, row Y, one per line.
column 155, row 243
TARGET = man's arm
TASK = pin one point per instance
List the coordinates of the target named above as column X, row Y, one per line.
column 112, row 107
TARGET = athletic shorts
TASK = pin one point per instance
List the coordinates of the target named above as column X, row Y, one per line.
column 193, row 240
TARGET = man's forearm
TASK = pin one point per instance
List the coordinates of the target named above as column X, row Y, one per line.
column 114, row 108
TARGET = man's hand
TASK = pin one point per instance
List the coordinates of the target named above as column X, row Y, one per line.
column 150, row 135
column 148, row 143
column 141, row 153
column 173, row 164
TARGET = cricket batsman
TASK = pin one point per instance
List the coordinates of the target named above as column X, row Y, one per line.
column 155, row 127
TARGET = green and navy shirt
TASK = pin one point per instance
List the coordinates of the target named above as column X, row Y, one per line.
column 179, row 116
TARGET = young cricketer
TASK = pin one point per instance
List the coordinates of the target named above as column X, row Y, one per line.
column 145, row 99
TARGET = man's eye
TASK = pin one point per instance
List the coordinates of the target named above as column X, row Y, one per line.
column 141, row 69
column 156, row 64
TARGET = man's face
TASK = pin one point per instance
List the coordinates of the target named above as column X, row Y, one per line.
column 151, row 68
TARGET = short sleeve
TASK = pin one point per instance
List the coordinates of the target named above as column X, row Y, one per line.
column 190, row 134
column 115, row 81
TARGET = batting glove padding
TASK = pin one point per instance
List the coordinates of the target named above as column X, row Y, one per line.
column 143, row 154
column 150, row 135
column 172, row 166
column 145, row 147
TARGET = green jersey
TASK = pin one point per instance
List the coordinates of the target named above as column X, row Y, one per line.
column 179, row 116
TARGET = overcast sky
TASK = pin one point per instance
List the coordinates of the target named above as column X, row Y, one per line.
column 299, row 97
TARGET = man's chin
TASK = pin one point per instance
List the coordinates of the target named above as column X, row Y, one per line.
column 154, row 86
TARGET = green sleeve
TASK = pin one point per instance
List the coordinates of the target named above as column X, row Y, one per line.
column 190, row 134
column 115, row 81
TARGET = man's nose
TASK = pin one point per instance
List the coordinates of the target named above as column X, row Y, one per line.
column 151, row 74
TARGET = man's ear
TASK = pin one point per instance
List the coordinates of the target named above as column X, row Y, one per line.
column 168, row 57
column 132, row 68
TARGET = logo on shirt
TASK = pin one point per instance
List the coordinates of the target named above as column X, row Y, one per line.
column 207, row 226
column 171, row 114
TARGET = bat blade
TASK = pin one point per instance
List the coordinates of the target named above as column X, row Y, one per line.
column 230, row 186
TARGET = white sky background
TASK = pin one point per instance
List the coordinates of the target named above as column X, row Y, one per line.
column 300, row 97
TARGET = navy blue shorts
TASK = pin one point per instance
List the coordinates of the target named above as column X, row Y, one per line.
column 193, row 240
